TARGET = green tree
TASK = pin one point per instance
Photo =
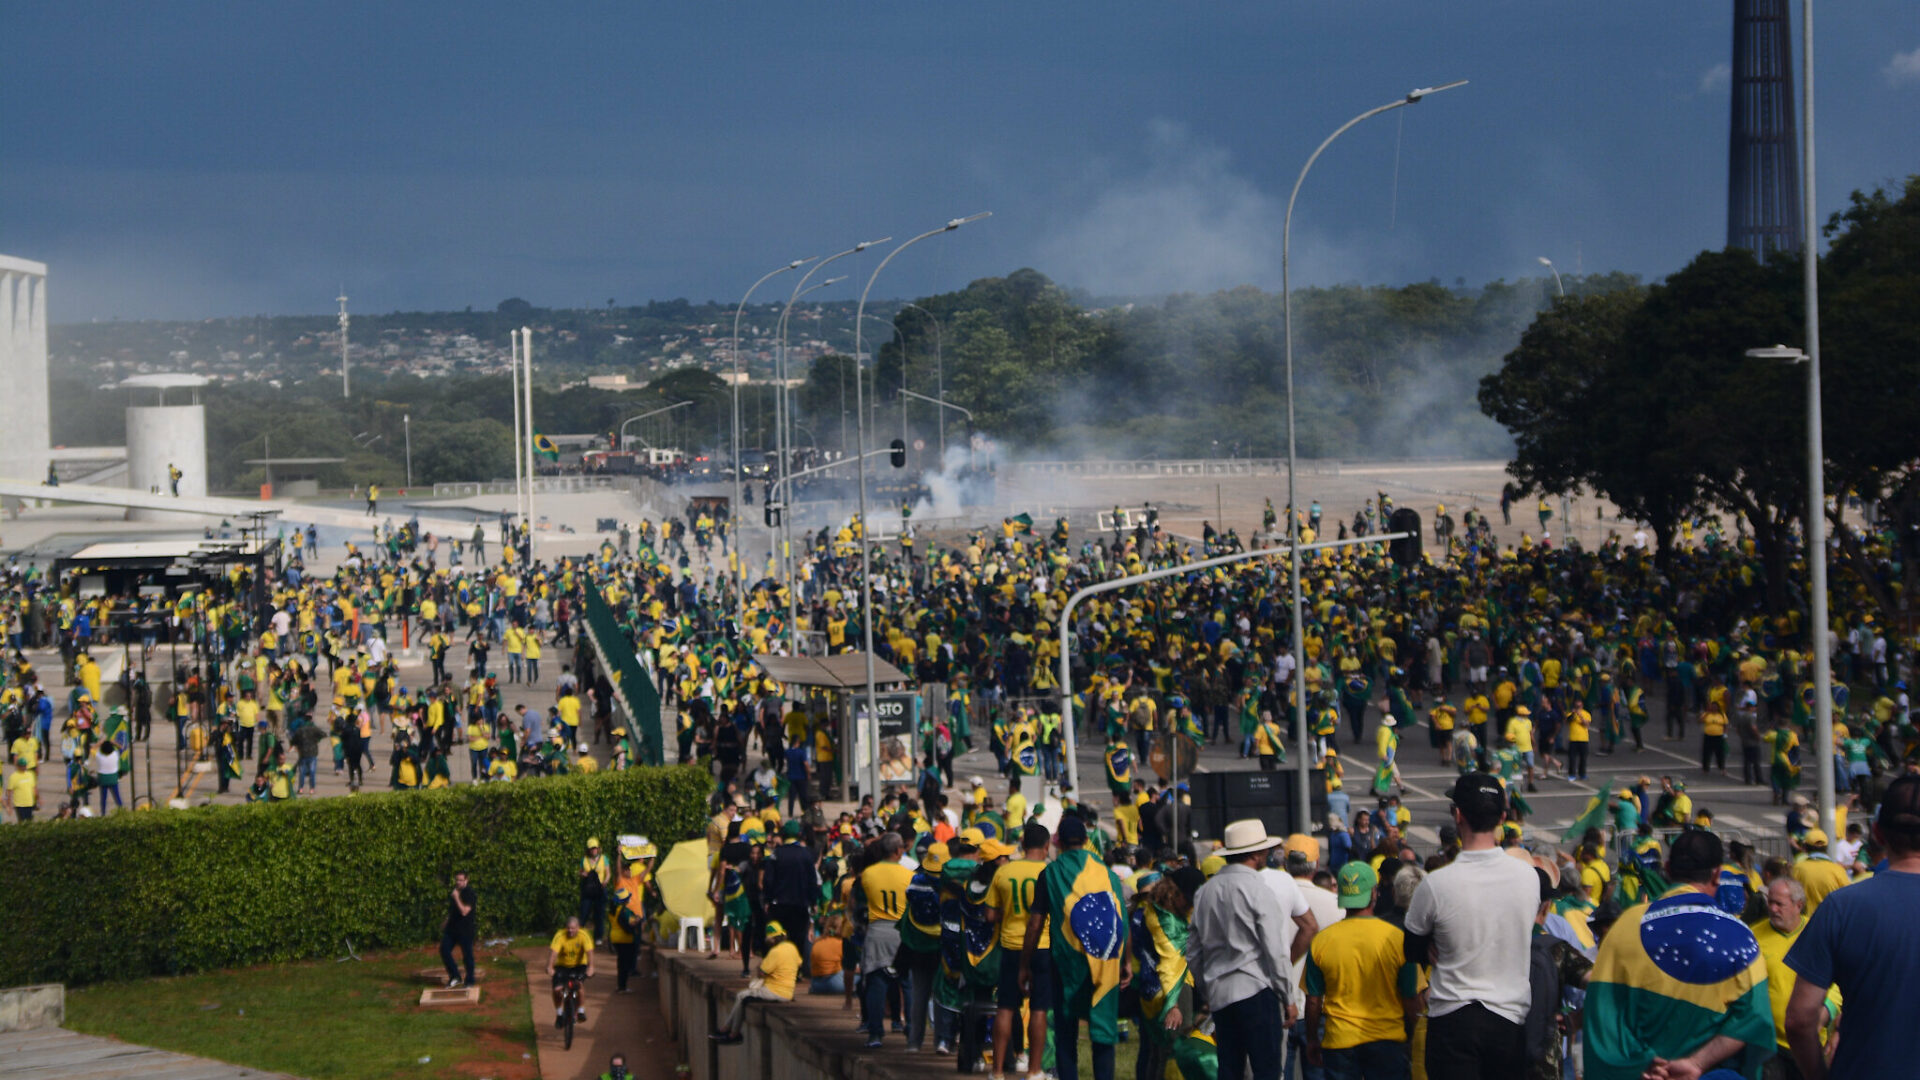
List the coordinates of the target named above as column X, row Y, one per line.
column 1870, row 380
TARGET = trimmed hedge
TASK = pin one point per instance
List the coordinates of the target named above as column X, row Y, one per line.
column 174, row 891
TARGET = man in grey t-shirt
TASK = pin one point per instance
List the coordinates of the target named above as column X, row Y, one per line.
column 1473, row 921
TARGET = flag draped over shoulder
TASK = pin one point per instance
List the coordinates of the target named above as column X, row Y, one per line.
column 1671, row 975
column 1089, row 930
column 545, row 447
column 1159, row 942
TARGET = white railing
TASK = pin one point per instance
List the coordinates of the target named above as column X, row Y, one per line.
column 542, row 485
column 1156, row 467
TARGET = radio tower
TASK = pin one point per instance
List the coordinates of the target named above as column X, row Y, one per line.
column 1763, row 175
column 346, row 387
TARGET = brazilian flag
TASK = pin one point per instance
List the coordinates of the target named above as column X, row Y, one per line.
column 1190, row 728
column 115, row 730
column 1159, row 943
column 1089, row 928
column 1022, row 523
column 1671, row 975
column 545, row 447
column 1195, row 1057
column 1593, row 817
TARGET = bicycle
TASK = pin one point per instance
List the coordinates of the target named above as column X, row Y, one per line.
column 570, row 1001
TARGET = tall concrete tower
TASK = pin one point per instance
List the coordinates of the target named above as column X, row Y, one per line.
column 1763, row 158
column 165, row 432
column 24, row 432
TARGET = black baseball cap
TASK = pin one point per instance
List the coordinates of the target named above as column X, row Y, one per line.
column 1478, row 794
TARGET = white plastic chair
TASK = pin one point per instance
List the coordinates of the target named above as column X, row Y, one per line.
column 696, row 925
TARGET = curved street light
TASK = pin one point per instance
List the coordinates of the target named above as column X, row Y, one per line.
column 1304, row 805
column 939, row 375
column 1548, row 263
column 733, row 511
column 866, row 526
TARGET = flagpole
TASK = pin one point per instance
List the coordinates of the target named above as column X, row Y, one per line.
column 526, row 385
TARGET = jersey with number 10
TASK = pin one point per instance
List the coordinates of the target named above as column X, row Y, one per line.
column 1012, row 895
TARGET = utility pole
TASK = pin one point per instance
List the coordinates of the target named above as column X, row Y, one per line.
column 346, row 388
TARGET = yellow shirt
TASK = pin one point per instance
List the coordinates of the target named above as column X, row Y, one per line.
column 1011, row 894
column 1578, row 723
column 1713, row 723
column 1358, row 968
column 25, row 749
column 886, row 887
column 248, row 711
column 1780, row 977
column 1520, row 734
column 570, row 711
column 571, row 950
column 781, row 968
column 1820, row 877
column 23, row 788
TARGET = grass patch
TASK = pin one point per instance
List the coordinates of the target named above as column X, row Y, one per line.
column 326, row 1020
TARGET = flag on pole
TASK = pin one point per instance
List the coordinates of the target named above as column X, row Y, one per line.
column 1593, row 817
column 545, row 447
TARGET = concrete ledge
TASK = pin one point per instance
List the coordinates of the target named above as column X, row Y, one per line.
column 30, row 1008
column 808, row 1038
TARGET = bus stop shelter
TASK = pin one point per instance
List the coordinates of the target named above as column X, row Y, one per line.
column 841, row 681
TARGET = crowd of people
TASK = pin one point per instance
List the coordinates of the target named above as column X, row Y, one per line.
column 1525, row 662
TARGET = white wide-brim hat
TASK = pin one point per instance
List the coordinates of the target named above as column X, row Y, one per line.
column 1245, row 837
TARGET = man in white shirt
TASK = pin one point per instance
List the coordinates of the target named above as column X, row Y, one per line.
column 1472, row 920
column 1240, row 958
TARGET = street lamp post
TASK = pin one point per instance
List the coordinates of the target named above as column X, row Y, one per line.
column 1548, row 263
column 1304, row 804
column 1816, row 544
column 644, row 415
column 866, row 526
column 1816, row 489
column 902, row 338
column 406, row 427
column 733, row 512
column 783, row 420
column 939, row 378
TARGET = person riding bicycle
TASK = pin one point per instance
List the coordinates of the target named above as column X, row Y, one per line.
column 569, row 956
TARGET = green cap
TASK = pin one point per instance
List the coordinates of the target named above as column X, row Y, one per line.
column 790, row 828
column 1357, row 882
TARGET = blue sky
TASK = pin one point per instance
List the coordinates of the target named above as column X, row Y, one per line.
column 195, row 159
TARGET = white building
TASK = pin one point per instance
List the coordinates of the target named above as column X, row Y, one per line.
column 23, row 370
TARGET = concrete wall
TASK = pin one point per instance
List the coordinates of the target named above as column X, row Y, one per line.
column 30, row 1008
column 162, row 435
column 808, row 1038
column 23, row 369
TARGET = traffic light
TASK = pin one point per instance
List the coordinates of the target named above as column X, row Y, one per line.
column 772, row 515
column 613, row 440
column 1406, row 550
column 899, row 455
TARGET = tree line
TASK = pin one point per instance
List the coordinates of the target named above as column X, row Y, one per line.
column 1647, row 396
